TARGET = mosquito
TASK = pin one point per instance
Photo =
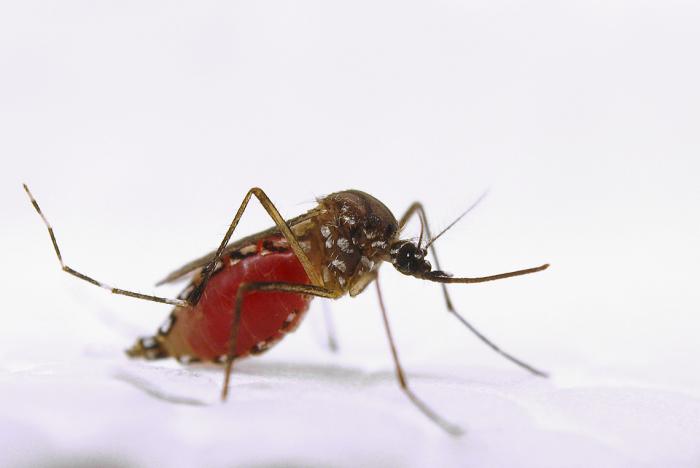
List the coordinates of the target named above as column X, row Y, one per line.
column 245, row 297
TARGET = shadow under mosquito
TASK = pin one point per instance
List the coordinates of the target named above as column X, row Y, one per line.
column 337, row 372
column 340, row 374
column 271, row 374
column 330, row 373
column 151, row 390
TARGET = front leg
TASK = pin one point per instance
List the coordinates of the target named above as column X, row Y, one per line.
column 401, row 376
column 417, row 208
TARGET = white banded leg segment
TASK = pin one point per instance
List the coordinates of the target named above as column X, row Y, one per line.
column 77, row 274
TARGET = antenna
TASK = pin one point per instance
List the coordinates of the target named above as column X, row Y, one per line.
column 478, row 200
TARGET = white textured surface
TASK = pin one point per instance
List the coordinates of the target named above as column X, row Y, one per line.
column 100, row 410
column 139, row 125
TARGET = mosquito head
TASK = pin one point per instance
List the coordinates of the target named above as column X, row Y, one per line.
column 409, row 258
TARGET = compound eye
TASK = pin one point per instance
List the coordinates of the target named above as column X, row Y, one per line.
column 406, row 254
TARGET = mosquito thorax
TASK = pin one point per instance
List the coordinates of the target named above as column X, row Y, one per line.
column 409, row 258
column 356, row 231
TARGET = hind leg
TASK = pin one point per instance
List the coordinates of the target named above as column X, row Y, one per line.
column 77, row 274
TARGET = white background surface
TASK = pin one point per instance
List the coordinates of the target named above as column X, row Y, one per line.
column 140, row 125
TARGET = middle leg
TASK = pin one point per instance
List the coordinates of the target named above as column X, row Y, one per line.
column 243, row 290
column 401, row 376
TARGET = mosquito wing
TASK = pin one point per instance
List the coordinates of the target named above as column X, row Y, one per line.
column 200, row 262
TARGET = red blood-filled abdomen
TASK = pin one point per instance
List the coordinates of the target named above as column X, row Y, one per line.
column 266, row 316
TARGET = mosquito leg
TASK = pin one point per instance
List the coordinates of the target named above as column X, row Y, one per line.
column 403, row 382
column 77, row 274
column 281, row 225
column 246, row 288
column 417, row 208
column 331, row 337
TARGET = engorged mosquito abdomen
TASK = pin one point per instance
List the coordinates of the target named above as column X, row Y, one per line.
column 266, row 316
